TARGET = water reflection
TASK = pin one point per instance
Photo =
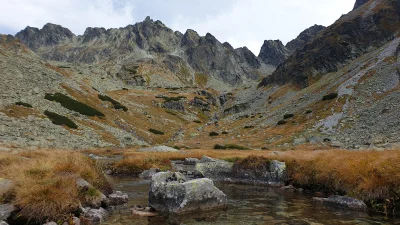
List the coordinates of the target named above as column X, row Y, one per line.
column 246, row 205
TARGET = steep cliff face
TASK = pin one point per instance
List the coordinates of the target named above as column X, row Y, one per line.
column 149, row 40
column 273, row 52
column 303, row 38
column 362, row 30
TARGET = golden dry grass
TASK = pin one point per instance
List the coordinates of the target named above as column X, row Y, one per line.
column 369, row 175
column 45, row 181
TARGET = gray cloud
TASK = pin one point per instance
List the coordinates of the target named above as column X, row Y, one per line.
column 240, row 22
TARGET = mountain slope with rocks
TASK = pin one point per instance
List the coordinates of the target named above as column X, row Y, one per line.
column 176, row 59
column 148, row 85
column 366, row 28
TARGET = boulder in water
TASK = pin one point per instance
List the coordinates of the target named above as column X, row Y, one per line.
column 170, row 193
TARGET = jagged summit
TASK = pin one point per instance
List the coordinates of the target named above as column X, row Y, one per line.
column 303, row 38
column 49, row 35
column 359, row 3
column 273, row 52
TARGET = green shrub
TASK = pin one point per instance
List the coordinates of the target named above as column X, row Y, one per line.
column 60, row 120
column 23, row 104
column 117, row 105
column 330, row 96
column 154, row 131
column 197, row 121
column 73, row 105
column 248, row 127
column 309, row 111
column 287, row 116
column 213, row 134
column 225, row 132
column 230, row 147
column 281, row 122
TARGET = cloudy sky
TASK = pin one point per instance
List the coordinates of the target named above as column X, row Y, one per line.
column 240, row 22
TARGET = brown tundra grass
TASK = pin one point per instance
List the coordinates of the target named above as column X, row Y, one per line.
column 45, row 182
column 368, row 175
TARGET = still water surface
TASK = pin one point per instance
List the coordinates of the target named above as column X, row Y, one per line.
column 246, row 205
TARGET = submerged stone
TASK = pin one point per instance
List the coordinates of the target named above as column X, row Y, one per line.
column 343, row 202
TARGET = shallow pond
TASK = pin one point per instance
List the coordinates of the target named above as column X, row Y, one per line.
column 247, row 205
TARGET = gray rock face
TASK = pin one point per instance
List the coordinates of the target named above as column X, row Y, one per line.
column 359, row 3
column 5, row 211
column 118, row 198
column 3, row 223
column 147, row 174
column 348, row 38
column 183, row 54
column 343, row 202
column 213, row 168
column 170, row 193
column 273, row 172
column 95, row 216
column 174, row 105
column 273, row 52
column 303, row 38
column 49, row 35
column 191, row 161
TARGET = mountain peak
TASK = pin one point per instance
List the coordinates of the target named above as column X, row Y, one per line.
column 359, row 3
column 273, row 52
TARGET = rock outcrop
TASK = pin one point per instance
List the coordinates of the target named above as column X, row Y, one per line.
column 269, row 172
column 304, row 37
column 170, row 193
column 273, row 52
column 148, row 42
column 49, row 35
column 352, row 35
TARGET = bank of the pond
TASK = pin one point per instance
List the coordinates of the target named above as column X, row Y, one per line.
column 246, row 205
column 44, row 183
column 371, row 176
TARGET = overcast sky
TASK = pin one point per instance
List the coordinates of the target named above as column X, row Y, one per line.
column 240, row 22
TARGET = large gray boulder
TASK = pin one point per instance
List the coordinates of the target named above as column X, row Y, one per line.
column 3, row 223
column 271, row 172
column 213, row 168
column 170, row 193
